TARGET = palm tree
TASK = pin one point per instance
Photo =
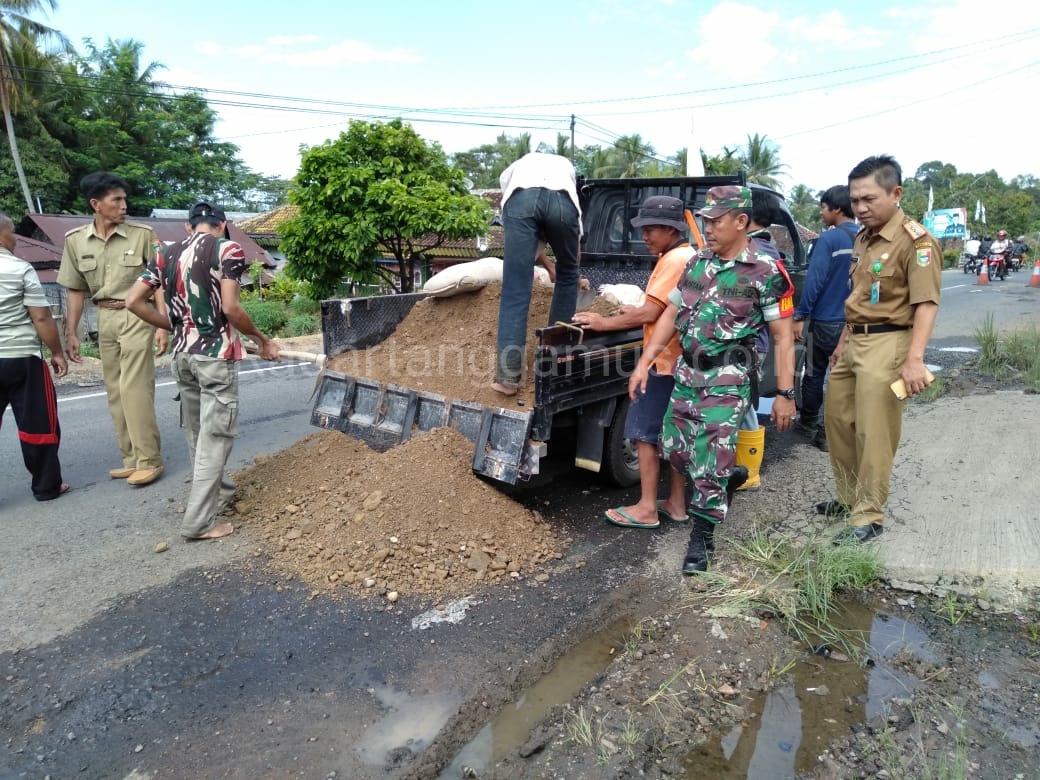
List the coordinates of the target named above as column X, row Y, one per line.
column 627, row 158
column 761, row 161
column 15, row 27
column 721, row 164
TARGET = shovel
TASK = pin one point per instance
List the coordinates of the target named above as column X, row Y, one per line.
column 319, row 359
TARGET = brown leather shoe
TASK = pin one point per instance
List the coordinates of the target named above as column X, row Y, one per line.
column 122, row 473
column 144, row 476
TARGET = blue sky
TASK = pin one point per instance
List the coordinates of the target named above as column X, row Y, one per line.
column 915, row 79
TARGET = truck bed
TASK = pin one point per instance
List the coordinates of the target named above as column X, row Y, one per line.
column 572, row 371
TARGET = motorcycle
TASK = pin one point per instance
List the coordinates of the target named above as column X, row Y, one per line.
column 971, row 264
column 998, row 266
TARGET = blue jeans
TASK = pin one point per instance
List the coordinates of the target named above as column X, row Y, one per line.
column 820, row 342
column 526, row 216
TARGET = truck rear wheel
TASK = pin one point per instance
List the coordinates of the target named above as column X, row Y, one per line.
column 620, row 459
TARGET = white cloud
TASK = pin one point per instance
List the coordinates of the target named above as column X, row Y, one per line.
column 833, row 28
column 291, row 40
column 735, row 39
column 349, row 52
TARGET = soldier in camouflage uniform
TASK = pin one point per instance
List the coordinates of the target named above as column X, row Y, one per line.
column 201, row 278
column 727, row 291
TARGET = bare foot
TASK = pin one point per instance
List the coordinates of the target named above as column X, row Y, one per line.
column 498, row 387
column 218, row 532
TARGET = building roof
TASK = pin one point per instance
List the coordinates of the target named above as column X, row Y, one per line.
column 39, row 254
column 51, row 229
column 238, row 217
column 269, row 224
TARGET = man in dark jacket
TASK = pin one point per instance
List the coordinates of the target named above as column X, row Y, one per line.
column 823, row 304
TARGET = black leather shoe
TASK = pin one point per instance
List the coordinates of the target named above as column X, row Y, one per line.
column 833, row 509
column 857, row 534
column 819, row 441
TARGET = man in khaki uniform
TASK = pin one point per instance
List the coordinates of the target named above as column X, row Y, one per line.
column 103, row 259
column 890, row 314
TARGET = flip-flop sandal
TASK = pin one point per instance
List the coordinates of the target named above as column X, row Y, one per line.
column 63, row 488
column 626, row 520
column 664, row 513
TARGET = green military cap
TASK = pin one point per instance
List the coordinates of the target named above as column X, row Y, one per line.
column 722, row 200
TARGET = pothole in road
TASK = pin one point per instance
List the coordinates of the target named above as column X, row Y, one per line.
column 791, row 725
column 409, row 727
column 512, row 728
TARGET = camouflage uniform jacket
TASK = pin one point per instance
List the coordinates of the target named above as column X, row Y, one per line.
column 190, row 274
column 721, row 305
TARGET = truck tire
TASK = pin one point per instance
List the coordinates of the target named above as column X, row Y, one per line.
column 799, row 374
column 620, row 460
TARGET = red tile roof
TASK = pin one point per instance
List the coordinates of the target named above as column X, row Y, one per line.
column 51, row 229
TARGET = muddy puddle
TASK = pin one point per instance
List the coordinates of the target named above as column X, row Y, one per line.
column 512, row 727
column 825, row 696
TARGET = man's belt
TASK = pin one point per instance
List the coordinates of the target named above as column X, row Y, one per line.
column 110, row 303
column 739, row 354
column 863, row 330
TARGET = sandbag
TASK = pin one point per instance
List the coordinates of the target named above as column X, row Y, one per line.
column 467, row 277
column 623, row 294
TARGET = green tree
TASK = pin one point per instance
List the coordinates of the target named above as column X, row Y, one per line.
column 16, row 29
column 805, row 207
column 628, row 157
column 377, row 189
column 721, row 164
column 483, row 165
column 761, row 160
column 161, row 143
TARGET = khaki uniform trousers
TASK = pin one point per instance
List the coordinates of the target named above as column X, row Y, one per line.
column 209, row 416
column 128, row 360
column 864, row 420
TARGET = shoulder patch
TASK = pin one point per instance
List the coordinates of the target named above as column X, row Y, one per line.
column 137, row 225
column 76, row 229
column 915, row 229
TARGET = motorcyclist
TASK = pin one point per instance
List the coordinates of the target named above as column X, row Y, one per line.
column 1019, row 252
column 971, row 253
column 987, row 242
column 1001, row 248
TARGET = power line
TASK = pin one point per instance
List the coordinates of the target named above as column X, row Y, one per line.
column 1003, row 38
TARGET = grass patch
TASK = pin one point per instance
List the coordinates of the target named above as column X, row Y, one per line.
column 800, row 586
column 579, row 728
column 89, row 349
column 1013, row 355
column 933, row 392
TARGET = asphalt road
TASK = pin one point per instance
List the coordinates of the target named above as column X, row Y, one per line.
column 965, row 305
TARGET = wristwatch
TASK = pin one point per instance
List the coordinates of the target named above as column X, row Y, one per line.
column 788, row 394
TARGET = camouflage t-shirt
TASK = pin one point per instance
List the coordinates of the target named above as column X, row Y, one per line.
column 190, row 273
column 721, row 305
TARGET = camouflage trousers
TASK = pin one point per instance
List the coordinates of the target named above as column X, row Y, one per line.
column 699, row 439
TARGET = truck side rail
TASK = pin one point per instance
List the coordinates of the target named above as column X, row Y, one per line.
column 359, row 323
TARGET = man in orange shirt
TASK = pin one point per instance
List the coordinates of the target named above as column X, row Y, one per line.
column 662, row 220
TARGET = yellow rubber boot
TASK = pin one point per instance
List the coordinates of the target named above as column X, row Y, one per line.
column 751, row 448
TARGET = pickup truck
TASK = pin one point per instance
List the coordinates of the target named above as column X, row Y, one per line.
column 581, row 382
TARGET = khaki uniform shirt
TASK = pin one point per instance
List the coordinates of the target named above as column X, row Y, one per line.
column 892, row 270
column 106, row 269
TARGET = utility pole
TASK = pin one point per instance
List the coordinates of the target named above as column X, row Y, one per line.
column 572, row 139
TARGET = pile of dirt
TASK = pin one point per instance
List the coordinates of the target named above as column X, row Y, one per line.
column 412, row 520
column 448, row 346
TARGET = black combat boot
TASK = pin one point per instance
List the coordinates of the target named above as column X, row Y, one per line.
column 737, row 477
column 701, row 548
